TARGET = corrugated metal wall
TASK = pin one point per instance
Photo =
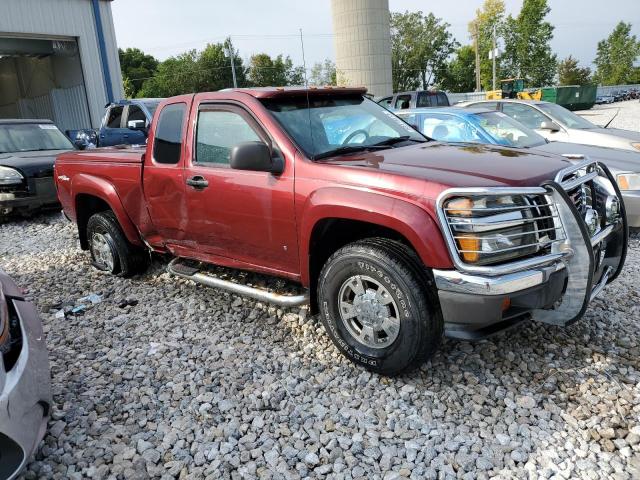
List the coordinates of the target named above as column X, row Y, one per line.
column 70, row 18
column 69, row 107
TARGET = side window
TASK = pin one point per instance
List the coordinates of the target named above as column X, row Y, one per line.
column 524, row 114
column 447, row 128
column 425, row 99
column 136, row 113
column 115, row 116
column 402, row 102
column 167, row 144
column 443, row 100
column 218, row 132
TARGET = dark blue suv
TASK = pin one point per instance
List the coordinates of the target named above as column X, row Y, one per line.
column 126, row 122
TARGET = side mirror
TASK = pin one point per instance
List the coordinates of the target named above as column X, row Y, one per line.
column 136, row 125
column 80, row 143
column 255, row 156
column 551, row 126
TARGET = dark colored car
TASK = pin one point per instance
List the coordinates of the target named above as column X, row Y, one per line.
column 28, row 149
column 415, row 99
column 126, row 122
column 25, row 385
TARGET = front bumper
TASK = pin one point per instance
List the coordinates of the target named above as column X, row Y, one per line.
column 632, row 204
column 555, row 289
column 25, row 391
column 38, row 193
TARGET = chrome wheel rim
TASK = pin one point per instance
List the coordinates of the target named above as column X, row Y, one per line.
column 101, row 250
column 368, row 311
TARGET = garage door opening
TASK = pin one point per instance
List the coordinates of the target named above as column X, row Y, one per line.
column 42, row 78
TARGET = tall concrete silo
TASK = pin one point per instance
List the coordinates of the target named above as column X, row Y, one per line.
column 363, row 44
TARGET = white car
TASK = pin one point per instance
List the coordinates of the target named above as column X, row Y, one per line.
column 557, row 124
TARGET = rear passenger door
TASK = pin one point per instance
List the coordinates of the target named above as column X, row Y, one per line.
column 112, row 131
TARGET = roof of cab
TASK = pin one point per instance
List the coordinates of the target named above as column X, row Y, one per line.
column 273, row 92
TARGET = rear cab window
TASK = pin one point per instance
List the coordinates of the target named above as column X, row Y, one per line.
column 167, row 144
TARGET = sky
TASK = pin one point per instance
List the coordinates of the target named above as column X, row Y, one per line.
column 168, row 27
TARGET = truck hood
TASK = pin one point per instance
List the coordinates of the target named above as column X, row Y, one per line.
column 614, row 158
column 32, row 164
column 607, row 137
column 461, row 165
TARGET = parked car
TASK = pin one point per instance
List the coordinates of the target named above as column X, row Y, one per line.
column 25, row 388
column 558, row 124
column 125, row 122
column 604, row 99
column 479, row 125
column 393, row 238
column 28, row 149
column 415, row 99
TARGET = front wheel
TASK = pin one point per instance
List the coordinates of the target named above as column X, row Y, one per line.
column 110, row 250
column 379, row 307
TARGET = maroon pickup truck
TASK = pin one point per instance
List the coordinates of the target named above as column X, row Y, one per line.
column 393, row 238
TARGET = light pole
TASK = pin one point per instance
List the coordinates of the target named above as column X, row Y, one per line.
column 229, row 51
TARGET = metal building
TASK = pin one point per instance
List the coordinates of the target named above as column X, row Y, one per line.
column 58, row 60
column 363, row 44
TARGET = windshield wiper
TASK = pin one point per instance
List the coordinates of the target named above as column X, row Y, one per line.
column 348, row 149
column 393, row 140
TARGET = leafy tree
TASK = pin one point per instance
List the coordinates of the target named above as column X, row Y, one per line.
column 616, row 56
column 527, row 49
column 459, row 74
column 420, row 46
column 323, row 73
column 193, row 71
column 491, row 15
column 266, row 71
column 136, row 67
column 570, row 72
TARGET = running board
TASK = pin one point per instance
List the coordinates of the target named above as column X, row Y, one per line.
column 191, row 273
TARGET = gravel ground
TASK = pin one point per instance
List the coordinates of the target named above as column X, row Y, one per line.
column 628, row 118
column 195, row 383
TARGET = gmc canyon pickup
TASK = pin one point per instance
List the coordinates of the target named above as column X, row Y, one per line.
column 394, row 239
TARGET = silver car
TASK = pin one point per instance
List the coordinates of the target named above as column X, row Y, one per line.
column 479, row 125
column 25, row 388
column 557, row 124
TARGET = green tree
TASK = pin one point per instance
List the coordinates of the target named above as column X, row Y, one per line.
column 265, row 71
column 136, row 66
column 528, row 51
column 420, row 47
column 323, row 73
column 616, row 56
column 193, row 71
column 459, row 74
column 570, row 72
column 490, row 16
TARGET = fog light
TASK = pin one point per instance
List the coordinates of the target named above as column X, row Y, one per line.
column 612, row 209
column 7, row 196
column 592, row 219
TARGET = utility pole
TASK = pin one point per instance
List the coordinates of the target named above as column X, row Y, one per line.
column 477, row 59
column 494, row 55
column 233, row 66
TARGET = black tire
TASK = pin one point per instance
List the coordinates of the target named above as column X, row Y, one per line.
column 398, row 269
column 126, row 259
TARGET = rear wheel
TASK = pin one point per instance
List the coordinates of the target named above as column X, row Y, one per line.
column 379, row 306
column 110, row 250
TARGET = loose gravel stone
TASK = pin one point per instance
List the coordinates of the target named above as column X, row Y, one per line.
column 194, row 383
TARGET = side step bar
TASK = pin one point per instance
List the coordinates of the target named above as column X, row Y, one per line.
column 194, row 274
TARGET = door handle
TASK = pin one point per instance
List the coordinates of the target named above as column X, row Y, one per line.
column 197, row 182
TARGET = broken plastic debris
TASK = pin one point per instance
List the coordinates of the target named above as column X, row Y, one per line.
column 59, row 314
column 94, row 298
column 79, row 309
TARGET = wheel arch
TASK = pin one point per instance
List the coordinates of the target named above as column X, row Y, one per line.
column 92, row 195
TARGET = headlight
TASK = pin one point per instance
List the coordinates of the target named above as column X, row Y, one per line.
column 636, row 145
column 628, row 181
column 10, row 176
column 490, row 230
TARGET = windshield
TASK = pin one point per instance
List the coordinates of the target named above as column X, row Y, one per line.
column 506, row 131
column 28, row 137
column 566, row 117
column 340, row 121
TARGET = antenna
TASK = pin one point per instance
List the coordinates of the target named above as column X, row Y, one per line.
column 306, row 86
